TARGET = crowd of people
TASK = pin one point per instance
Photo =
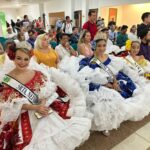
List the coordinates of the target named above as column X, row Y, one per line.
column 57, row 86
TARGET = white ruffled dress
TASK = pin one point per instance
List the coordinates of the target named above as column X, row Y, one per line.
column 108, row 107
column 52, row 132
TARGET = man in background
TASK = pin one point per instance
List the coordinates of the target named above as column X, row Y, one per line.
column 67, row 26
column 145, row 43
column 112, row 31
column 25, row 22
column 75, row 35
column 146, row 23
column 123, row 36
column 90, row 25
column 59, row 23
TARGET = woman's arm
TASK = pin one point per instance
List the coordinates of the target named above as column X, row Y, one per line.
column 43, row 110
column 73, row 52
column 82, row 49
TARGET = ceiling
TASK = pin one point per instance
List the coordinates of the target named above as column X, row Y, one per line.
column 19, row 3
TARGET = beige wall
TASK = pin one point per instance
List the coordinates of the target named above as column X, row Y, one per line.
column 127, row 14
column 132, row 13
column 104, row 13
column 31, row 10
column 10, row 13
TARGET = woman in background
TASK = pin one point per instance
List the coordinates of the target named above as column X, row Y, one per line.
column 38, row 94
column 136, row 62
column 44, row 53
column 84, row 45
column 114, row 93
column 64, row 48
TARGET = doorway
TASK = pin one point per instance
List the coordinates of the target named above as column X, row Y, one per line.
column 78, row 18
column 53, row 17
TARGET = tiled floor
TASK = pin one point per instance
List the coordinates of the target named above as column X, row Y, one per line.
column 140, row 140
column 130, row 136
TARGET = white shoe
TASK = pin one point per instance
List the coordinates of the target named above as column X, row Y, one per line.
column 106, row 133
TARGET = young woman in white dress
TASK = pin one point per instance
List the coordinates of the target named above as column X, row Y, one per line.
column 137, row 63
column 55, row 122
column 114, row 93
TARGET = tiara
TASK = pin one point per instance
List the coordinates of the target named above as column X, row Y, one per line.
column 24, row 45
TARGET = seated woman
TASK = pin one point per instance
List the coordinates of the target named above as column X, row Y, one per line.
column 112, row 97
column 4, row 57
column 136, row 62
column 44, row 53
column 38, row 111
column 64, row 48
column 20, row 37
column 110, row 48
column 51, row 36
column 84, row 45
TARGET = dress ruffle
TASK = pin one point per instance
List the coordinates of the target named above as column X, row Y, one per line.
column 53, row 132
column 108, row 107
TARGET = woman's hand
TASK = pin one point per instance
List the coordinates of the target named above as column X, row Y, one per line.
column 43, row 110
column 67, row 45
column 109, row 85
column 116, row 86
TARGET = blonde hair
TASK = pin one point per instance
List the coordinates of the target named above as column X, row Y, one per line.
column 82, row 36
column 100, row 35
column 38, row 42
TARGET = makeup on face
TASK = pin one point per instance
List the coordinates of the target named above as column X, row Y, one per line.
column 45, row 41
column 21, row 60
column 64, row 40
column 88, row 37
column 135, row 48
column 101, row 46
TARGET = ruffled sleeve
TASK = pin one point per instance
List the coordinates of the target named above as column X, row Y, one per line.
column 73, row 90
column 10, row 106
column 94, row 75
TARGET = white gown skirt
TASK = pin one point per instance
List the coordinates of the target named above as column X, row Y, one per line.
column 55, row 133
column 138, row 106
column 110, row 109
column 107, row 107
